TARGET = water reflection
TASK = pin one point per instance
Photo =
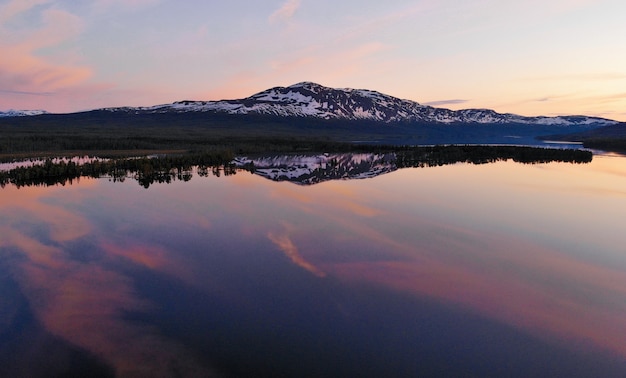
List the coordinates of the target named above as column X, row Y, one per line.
column 497, row 269
column 313, row 169
column 71, row 290
column 285, row 244
column 302, row 169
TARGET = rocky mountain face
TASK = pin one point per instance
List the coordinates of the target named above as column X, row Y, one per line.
column 308, row 99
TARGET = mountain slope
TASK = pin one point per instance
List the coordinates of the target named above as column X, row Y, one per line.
column 312, row 100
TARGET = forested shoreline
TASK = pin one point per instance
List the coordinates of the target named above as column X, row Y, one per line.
column 103, row 132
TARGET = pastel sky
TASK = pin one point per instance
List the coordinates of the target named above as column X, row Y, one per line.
column 532, row 57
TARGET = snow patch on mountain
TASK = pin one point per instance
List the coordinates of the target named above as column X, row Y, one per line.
column 21, row 113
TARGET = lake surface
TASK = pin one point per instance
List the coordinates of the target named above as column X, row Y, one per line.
column 501, row 269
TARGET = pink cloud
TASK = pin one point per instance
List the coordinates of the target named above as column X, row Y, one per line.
column 103, row 5
column 301, row 65
column 15, row 7
column 25, row 73
column 39, row 69
column 285, row 12
column 22, row 69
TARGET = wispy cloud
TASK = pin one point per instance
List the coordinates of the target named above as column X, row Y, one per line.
column 285, row 12
column 24, row 71
column 15, row 7
column 614, row 96
column 25, row 93
column 446, row 102
column 124, row 4
column 384, row 20
column 340, row 62
column 596, row 76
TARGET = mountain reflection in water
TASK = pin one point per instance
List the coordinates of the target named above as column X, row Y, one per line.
column 313, row 169
column 500, row 269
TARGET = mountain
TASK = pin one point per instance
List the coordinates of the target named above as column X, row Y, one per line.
column 22, row 113
column 311, row 100
column 303, row 111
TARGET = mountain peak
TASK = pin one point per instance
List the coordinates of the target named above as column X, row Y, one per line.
column 306, row 85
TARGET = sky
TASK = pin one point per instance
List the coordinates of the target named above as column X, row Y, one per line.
column 532, row 57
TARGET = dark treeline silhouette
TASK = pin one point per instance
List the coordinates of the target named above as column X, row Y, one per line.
column 608, row 138
column 607, row 144
column 146, row 170
column 106, row 131
column 442, row 155
column 168, row 168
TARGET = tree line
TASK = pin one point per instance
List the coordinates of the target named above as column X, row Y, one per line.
column 482, row 154
column 145, row 170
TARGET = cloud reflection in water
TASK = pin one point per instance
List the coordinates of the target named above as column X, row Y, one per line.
column 84, row 302
column 284, row 243
column 494, row 269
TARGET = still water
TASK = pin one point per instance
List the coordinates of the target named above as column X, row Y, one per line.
column 501, row 269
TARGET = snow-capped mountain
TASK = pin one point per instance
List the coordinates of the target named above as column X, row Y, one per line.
column 308, row 99
column 21, row 113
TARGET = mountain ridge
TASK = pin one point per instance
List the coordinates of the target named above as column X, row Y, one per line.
column 313, row 101
column 308, row 99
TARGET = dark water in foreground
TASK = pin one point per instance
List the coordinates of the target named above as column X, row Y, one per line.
column 498, row 269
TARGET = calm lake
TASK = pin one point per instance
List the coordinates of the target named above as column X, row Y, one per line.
column 500, row 269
